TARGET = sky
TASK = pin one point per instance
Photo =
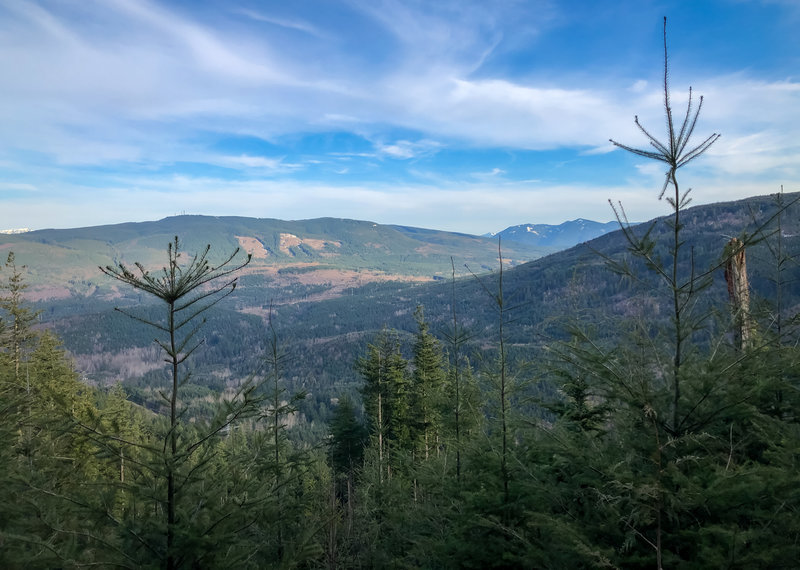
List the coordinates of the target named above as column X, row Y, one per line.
column 462, row 115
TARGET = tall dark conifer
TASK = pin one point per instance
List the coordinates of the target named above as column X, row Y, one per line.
column 386, row 399
column 16, row 318
column 187, row 290
column 427, row 393
column 680, row 435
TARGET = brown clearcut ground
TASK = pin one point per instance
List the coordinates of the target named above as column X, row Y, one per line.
column 338, row 281
column 253, row 246
column 256, row 248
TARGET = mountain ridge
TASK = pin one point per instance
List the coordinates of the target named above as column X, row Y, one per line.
column 563, row 235
column 64, row 262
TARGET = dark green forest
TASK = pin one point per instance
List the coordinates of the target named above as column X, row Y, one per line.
column 629, row 403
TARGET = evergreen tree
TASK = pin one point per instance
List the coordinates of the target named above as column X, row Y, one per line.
column 284, row 527
column 675, row 468
column 172, row 477
column 682, row 289
column 49, row 467
column 17, row 320
column 500, row 382
column 427, row 387
column 386, row 399
column 347, row 440
column 14, row 409
column 460, row 390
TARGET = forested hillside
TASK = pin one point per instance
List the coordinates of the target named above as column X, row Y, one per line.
column 292, row 260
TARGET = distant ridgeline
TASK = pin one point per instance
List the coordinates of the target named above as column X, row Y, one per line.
column 562, row 235
column 63, row 263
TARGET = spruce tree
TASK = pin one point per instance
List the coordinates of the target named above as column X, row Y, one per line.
column 16, row 318
column 500, row 381
column 50, row 472
column 182, row 452
column 347, row 440
column 681, row 429
column 386, row 400
column 284, row 527
column 460, row 390
column 682, row 288
column 427, row 389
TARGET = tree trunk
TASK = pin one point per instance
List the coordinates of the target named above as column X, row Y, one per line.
column 739, row 293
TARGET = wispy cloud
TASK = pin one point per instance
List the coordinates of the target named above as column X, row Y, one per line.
column 17, row 187
column 257, row 162
column 292, row 24
column 404, row 149
column 493, row 174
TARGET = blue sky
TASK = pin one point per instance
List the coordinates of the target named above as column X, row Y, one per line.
column 459, row 115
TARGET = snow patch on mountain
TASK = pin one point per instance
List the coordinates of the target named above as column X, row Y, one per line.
column 563, row 235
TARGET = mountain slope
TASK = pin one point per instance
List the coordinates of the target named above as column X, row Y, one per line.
column 63, row 263
column 561, row 236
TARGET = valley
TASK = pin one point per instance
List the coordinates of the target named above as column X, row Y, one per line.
column 331, row 291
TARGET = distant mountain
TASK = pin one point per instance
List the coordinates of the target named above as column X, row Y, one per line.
column 561, row 236
column 323, row 255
